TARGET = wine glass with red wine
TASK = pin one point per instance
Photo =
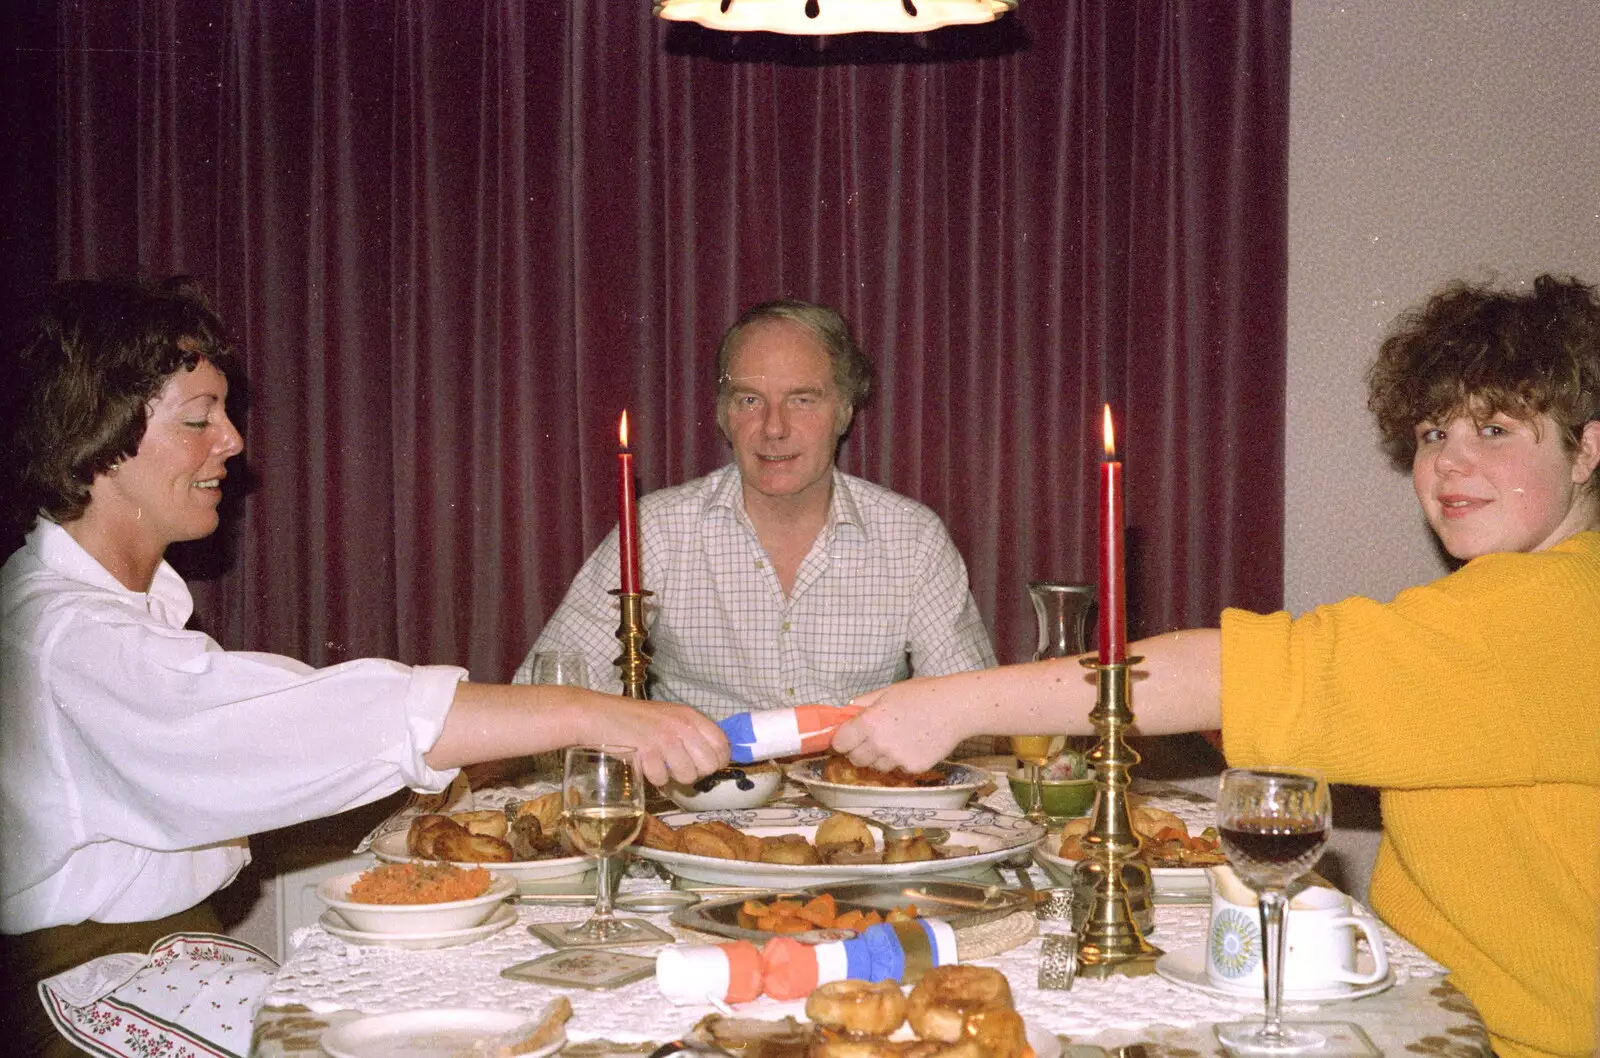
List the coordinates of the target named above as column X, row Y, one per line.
column 1273, row 824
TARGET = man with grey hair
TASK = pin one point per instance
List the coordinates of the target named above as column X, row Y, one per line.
column 780, row 580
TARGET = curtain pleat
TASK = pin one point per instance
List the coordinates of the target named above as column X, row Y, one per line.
column 455, row 240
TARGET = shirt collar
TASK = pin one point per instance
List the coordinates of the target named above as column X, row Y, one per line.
column 168, row 597
column 727, row 493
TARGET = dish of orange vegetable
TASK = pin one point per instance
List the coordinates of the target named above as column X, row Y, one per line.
column 796, row 915
column 843, row 909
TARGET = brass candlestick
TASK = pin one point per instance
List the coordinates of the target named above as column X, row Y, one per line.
column 634, row 662
column 1111, row 941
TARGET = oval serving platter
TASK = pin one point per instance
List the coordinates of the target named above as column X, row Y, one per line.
column 995, row 837
column 957, row 901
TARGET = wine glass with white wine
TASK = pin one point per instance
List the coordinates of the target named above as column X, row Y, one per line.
column 1036, row 751
column 602, row 809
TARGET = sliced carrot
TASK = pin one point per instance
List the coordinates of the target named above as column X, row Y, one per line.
column 851, row 919
column 821, row 910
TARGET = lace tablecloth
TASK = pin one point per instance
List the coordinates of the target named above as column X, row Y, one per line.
column 326, row 981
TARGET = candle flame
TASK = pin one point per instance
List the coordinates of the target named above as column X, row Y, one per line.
column 622, row 429
column 1110, row 435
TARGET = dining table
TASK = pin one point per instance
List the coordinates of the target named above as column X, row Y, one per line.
column 326, row 982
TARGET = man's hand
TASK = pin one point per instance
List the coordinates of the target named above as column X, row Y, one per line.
column 901, row 726
column 674, row 741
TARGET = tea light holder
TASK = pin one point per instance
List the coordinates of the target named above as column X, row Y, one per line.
column 634, row 661
column 1110, row 941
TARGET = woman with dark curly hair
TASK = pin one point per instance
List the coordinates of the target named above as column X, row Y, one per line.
column 1469, row 702
column 136, row 755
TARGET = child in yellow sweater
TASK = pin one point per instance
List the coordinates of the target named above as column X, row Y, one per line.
column 1469, row 702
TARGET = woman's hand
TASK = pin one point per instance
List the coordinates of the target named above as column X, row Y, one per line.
column 673, row 741
column 900, row 726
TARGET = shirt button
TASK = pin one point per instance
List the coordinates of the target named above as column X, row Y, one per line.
column 760, row 564
column 786, row 626
column 790, row 692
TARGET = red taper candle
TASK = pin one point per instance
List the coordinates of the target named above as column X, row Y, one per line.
column 627, row 513
column 1113, row 627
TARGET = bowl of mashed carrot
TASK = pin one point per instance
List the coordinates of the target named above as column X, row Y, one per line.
column 415, row 897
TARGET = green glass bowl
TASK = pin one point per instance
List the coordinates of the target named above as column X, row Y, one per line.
column 1063, row 798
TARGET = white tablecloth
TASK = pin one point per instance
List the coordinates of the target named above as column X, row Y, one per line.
column 326, row 980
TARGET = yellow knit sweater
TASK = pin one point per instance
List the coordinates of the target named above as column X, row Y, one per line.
column 1473, row 704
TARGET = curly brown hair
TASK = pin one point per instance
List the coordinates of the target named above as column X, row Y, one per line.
column 1476, row 350
column 99, row 355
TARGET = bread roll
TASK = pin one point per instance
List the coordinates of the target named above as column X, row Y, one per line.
column 546, row 808
column 947, row 995
column 858, row 1007
column 490, row 822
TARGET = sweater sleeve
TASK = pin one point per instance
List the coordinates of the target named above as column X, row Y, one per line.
column 1482, row 678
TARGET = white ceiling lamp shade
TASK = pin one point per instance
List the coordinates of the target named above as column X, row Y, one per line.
column 817, row 17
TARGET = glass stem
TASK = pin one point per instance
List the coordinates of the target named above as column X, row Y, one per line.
column 1036, row 790
column 1274, row 950
column 602, row 893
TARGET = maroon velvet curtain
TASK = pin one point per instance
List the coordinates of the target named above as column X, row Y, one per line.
column 456, row 238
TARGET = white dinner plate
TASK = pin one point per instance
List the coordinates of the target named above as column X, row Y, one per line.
column 336, row 926
column 425, row 1034
column 995, row 836
column 1175, row 881
column 957, row 790
column 563, row 872
column 1187, row 967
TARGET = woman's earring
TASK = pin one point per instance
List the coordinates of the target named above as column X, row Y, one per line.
column 114, row 468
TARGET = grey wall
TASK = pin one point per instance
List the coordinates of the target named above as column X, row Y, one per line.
column 1429, row 139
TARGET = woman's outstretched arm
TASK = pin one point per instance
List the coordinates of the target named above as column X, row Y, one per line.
column 493, row 721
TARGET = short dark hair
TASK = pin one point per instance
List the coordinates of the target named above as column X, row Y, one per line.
column 852, row 371
column 99, row 355
column 1477, row 350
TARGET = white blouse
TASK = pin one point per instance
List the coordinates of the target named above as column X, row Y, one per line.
column 136, row 755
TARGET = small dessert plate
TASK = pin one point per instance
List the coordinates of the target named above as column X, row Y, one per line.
column 1187, row 967
column 336, row 926
column 425, row 1034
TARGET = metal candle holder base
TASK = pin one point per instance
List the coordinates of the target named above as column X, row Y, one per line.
column 634, row 662
column 1110, row 941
